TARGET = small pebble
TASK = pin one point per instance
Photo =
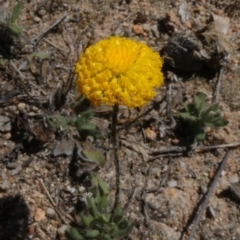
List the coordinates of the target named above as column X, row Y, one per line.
column 42, row 12
column 50, row 212
column 39, row 214
column 7, row 136
column 182, row 164
column 34, row 108
column 36, row 19
column 146, row 27
column 137, row 29
column 223, row 173
column 175, row 141
column 71, row 189
column 188, row 24
column 172, row 183
column 203, row 189
column 82, row 189
column 61, row 231
column 211, row 212
column 155, row 30
column 234, row 178
column 21, row 106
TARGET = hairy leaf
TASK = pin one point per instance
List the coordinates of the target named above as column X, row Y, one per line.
column 16, row 12
column 14, row 30
column 73, row 234
column 86, row 219
column 91, row 234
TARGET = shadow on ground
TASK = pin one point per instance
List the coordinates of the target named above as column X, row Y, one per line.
column 14, row 215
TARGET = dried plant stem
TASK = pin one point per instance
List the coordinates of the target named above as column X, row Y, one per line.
column 38, row 38
column 209, row 193
column 115, row 155
column 218, row 86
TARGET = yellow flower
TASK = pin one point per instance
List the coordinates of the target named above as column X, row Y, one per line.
column 119, row 71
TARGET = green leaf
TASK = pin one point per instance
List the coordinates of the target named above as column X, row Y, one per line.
column 199, row 101
column 93, row 209
column 102, row 218
column 91, row 233
column 200, row 135
column 16, row 12
column 94, row 179
column 123, row 224
column 41, row 55
column 212, row 110
column 107, row 236
column 103, row 203
column 86, row 219
column 103, row 186
column 86, row 115
column 95, row 224
column 124, row 232
column 84, row 126
column 57, row 121
column 188, row 117
column 97, row 196
column 118, row 211
column 87, row 128
column 219, row 122
column 14, row 30
column 73, row 234
column 117, row 218
column 95, row 156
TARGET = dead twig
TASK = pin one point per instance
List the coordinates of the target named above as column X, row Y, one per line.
column 227, row 145
column 179, row 151
column 52, row 44
column 145, row 205
column 218, row 85
column 209, row 193
column 54, row 204
column 169, row 149
column 150, row 205
column 4, row 101
column 142, row 115
column 164, row 179
column 73, row 42
column 46, row 191
column 157, row 188
column 115, row 156
column 132, row 196
column 22, row 86
column 38, row 38
column 169, row 100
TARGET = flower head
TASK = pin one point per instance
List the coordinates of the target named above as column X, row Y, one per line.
column 119, row 71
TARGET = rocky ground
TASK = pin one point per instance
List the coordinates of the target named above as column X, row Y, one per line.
column 163, row 183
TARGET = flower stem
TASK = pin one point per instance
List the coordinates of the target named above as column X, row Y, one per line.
column 115, row 154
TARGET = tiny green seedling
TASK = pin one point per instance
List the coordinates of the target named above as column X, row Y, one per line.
column 198, row 116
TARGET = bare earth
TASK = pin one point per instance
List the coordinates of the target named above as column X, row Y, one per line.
column 162, row 185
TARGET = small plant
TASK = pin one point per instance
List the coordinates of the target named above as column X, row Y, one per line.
column 100, row 223
column 9, row 22
column 10, row 31
column 114, row 71
column 197, row 116
column 82, row 124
